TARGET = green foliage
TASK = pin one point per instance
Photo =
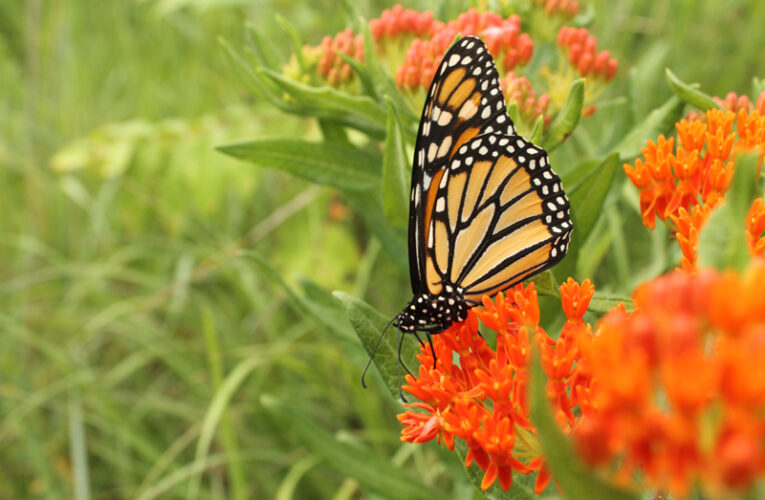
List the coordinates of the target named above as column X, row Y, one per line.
column 154, row 292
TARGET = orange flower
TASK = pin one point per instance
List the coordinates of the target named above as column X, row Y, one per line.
column 755, row 226
column 582, row 53
column 483, row 399
column 677, row 388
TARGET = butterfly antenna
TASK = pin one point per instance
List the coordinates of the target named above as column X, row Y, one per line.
column 374, row 351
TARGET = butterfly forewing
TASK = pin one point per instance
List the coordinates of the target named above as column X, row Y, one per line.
column 464, row 101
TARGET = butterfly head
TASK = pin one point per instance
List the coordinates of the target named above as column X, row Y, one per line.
column 433, row 313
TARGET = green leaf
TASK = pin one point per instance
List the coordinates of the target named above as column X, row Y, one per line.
column 574, row 478
column 359, row 112
column 369, row 324
column 587, row 198
column 689, row 93
column 395, row 176
column 722, row 241
column 545, row 284
column 659, row 121
column 329, row 164
column 602, row 302
column 536, row 133
column 568, row 118
column 263, row 48
column 371, row 471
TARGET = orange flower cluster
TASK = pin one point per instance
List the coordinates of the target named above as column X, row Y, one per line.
column 331, row 66
column 518, row 89
column 683, row 185
column 676, row 389
column 583, row 55
column 483, row 399
column 567, row 8
column 503, row 38
column 734, row 102
column 399, row 21
column 697, row 173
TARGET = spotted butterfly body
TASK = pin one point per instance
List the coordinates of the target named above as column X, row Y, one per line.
column 486, row 210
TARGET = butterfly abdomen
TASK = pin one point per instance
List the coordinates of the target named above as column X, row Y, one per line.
column 433, row 314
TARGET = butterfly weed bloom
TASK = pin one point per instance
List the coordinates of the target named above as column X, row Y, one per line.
column 682, row 181
column 503, row 38
column 478, row 393
column 676, row 389
column 755, row 227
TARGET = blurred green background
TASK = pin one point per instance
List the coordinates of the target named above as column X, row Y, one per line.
column 150, row 286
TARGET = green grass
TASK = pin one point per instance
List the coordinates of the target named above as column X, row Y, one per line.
column 150, row 287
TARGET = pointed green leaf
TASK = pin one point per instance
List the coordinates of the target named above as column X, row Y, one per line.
column 369, row 324
column 659, row 121
column 587, row 197
column 566, row 121
column 689, row 93
column 545, row 284
column 372, row 472
column 360, row 112
column 263, row 49
column 576, row 481
column 395, row 177
column 603, row 302
column 536, row 133
column 335, row 165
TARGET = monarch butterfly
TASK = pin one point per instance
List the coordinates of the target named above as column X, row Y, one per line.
column 486, row 210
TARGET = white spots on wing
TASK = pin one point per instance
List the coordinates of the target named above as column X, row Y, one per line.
column 545, row 190
column 432, row 150
column 501, row 118
column 463, row 149
column 547, row 175
column 444, row 147
column 416, row 197
column 556, row 188
column 499, row 104
column 521, row 159
column 489, row 129
column 486, row 112
column 554, row 252
column 443, row 179
column 520, row 143
column 456, row 164
column 532, row 164
column 477, row 71
column 492, row 139
column 414, row 190
column 548, row 219
column 494, row 91
column 421, row 157
column 483, row 151
column 436, row 113
column 445, row 118
column 466, row 60
column 560, row 214
column 454, row 59
column 485, row 84
column 551, row 205
column 440, row 204
column 537, row 181
column 561, row 200
column 476, row 144
column 468, row 110
column 503, row 142
column 479, row 50
column 531, row 151
column 426, row 128
column 495, row 153
column 469, row 161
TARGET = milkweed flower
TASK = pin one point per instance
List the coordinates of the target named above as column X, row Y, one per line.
column 682, row 181
column 482, row 399
column 676, row 388
column 517, row 89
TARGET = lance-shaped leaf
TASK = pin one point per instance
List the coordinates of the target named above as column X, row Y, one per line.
column 330, row 164
column 689, row 93
column 566, row 121
column 395, row 178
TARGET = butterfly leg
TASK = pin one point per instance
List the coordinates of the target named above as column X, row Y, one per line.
column 400, row 362
column 432, row 350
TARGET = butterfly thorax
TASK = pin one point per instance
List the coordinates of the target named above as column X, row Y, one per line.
column 433, row 313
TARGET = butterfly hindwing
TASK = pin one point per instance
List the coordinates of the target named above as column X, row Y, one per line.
column 500, row 216
column 464, row 101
